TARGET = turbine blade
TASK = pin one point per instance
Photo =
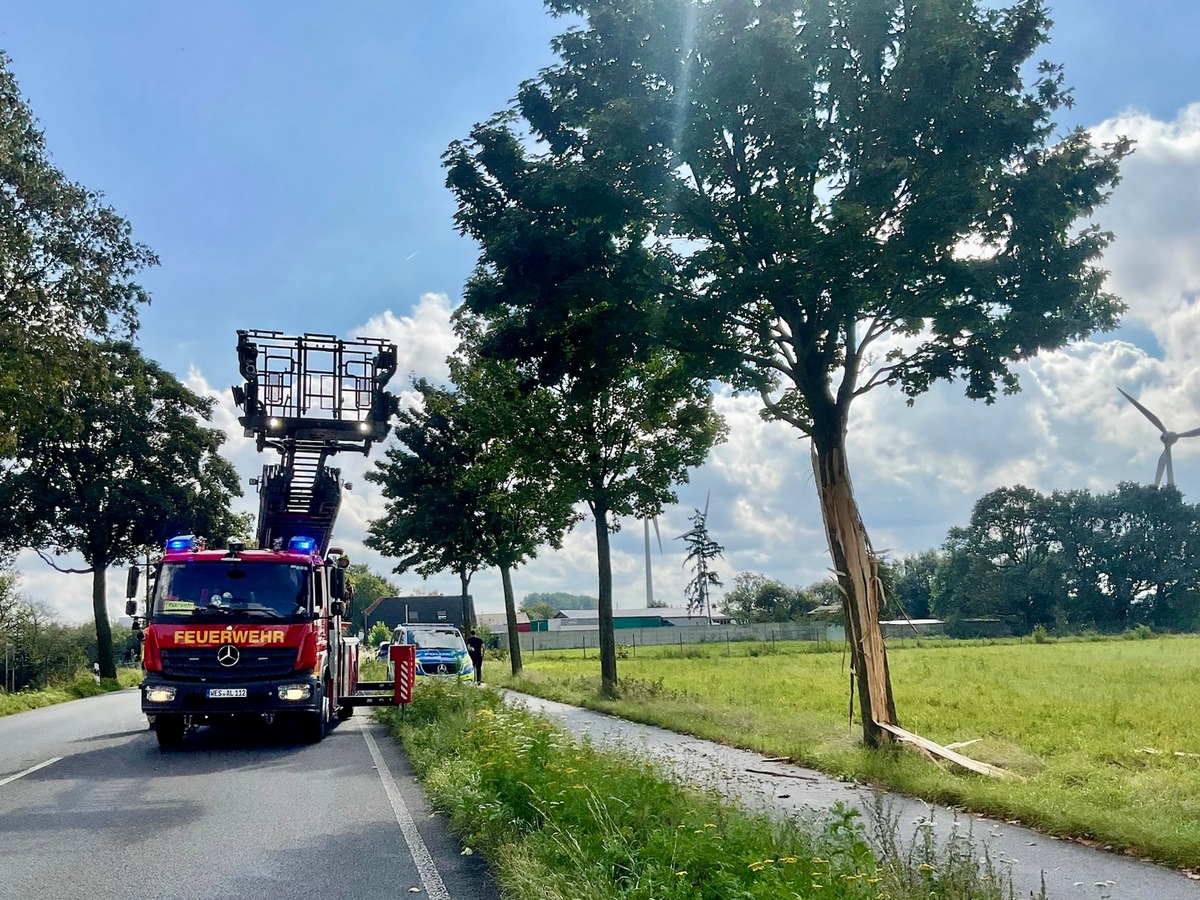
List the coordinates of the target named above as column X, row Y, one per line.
column 656, row 534
column 707, row 497
column 1145, row 412
column 1162, row 464
column 1195, row 432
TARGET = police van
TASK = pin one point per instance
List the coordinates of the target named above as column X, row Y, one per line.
column 440, row 649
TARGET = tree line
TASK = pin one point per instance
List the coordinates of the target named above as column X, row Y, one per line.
column 1067, row 561
column 37, row 649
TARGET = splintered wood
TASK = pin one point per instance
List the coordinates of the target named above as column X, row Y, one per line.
column 945, row 752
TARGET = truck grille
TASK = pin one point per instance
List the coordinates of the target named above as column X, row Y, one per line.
column 254, row 664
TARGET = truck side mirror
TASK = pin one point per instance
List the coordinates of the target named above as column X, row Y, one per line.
column 337, row 583
column 337, row 608
column 131, row 608
column 131, row 582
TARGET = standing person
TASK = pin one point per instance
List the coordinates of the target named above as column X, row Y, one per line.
column 475, row 651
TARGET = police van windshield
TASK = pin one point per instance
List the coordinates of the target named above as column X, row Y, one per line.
column 440, row 639
column 262, row 590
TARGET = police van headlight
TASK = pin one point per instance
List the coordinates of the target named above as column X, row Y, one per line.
column 294, row 692
column 160, row 694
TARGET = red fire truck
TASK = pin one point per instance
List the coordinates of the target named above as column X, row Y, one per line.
column 257, row 633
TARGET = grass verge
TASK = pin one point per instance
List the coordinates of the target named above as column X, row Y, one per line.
column 83, row 685
column 1101, row 731
column 560, row 819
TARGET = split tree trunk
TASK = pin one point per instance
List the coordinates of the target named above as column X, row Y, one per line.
column 510, row 618
column 608, row 643
column 858, row 575
column 104, row 648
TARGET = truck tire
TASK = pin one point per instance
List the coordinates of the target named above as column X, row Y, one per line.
column 316, row 724
column 169, row 729
column 344, row 712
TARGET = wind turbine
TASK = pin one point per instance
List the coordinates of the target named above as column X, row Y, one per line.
column 1167, row 437
column 649, row 574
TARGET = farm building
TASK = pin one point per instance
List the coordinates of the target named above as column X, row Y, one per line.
column 498, row 622
column 394, row 611
column 901, row 628
column 649, row 617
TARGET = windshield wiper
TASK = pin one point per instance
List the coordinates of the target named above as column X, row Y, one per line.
column 212, row 610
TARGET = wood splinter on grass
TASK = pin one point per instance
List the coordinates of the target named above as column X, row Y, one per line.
column 1161, row 752
column 946, row 753
column 957, row 744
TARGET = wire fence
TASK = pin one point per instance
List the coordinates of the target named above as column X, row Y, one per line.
column 682, row 635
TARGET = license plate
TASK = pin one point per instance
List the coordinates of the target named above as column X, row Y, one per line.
column 226, row 692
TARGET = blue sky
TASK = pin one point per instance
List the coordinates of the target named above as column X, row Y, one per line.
column 284, row 162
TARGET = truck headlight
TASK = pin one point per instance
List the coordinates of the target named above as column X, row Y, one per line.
column 160, row 694
column 294, row 692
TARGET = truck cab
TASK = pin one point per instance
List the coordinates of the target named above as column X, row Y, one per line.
column 238, row 633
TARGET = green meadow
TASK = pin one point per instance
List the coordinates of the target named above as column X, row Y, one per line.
column 82, row 685
column 1103, row 735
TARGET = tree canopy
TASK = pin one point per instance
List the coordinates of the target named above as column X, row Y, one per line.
column 145, row 467
column 67, row 269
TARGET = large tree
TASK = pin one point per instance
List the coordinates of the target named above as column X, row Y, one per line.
column 429, row 524
column 855, row 193
column 145, row 466
column 463, row 486
column 523, row 505
column 569, row 289
column 67, row 264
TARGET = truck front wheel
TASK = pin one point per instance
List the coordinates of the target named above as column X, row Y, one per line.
column 169, row 728
column 316, row 724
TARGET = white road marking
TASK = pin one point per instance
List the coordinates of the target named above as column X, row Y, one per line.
column 431, row 879
column 30, row 770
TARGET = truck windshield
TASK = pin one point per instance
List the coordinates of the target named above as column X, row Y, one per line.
column 264, row 590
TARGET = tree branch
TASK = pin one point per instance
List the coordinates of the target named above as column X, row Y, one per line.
column 50, row 562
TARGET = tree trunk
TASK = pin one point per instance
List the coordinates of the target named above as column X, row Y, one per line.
column 104, row 650
column 510, row 617
column 608, row 643
column 858, row 575
column 468, row 618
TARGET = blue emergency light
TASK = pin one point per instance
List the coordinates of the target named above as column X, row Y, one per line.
column 182, row 542
column 302, row 544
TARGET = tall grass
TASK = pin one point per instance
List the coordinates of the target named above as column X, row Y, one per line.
column 82, row 685
column 1103, row 732
column 559, row 819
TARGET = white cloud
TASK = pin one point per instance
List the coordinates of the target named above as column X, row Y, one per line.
column 917, row 470
column 423, row 339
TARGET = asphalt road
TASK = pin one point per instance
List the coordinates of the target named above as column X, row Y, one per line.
column 90, row 807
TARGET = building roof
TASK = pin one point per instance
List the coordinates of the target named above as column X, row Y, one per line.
column 499, row 618
column 395, row 610
column 648, row 612
column 912, row 622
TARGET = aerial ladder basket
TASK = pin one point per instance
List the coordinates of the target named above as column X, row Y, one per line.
column 309, row 397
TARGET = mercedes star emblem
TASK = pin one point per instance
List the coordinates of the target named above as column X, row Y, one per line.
column 228, row 655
